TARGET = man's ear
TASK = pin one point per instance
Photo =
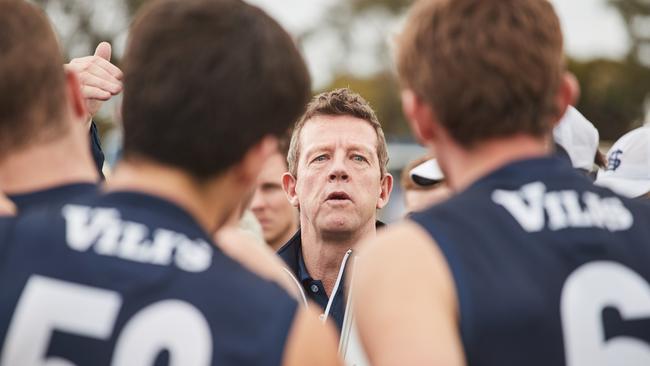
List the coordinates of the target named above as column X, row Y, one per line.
column 251, row 164
column 289, row 187
column 419, row 116
column 76, row 102
column 567, row 95
column 386, row 187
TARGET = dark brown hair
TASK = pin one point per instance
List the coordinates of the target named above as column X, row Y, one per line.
column 205, row 80
column 32, row 80
column 338, row 102
column 488, row 68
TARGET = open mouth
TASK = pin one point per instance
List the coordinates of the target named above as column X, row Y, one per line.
column 338, row 196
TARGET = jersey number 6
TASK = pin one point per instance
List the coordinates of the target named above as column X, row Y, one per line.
column 586, row 292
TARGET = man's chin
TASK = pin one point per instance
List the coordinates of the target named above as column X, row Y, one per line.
column 341, row 224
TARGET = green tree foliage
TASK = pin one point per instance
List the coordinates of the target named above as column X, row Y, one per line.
column 382, row 92
column 636, row 14
column 394, row 6
column 612, row 94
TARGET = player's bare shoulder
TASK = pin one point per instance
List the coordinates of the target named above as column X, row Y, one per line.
column 391, row 272
column 404, row 243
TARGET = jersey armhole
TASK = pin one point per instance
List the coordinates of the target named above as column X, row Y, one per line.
column 458, row 273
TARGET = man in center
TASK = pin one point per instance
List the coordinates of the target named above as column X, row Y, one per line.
column 337, row 180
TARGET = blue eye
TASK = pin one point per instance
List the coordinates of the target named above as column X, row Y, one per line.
column 320, row 158
column 358, row 158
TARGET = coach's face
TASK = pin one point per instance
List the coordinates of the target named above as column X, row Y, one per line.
column 339, row 186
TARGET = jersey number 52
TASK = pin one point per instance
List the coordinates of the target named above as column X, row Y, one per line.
column 48, row 304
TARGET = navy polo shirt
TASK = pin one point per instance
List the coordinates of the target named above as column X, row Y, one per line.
column 291, row 254
column 96, row 149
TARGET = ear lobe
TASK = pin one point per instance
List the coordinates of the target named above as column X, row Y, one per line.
column 75, row 99
column 386, row 187
column 289, row 187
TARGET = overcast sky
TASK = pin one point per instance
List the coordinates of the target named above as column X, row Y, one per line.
column 591, row 28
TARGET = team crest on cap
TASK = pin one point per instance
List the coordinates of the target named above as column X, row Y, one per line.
column 614, row 160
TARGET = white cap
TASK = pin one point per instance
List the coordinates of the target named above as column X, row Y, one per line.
column 628, row 164
column 427, row 173
column 578, row 137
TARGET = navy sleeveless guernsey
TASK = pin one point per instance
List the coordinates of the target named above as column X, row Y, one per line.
column 130, row 279
column 53, row 196
column 548, row 269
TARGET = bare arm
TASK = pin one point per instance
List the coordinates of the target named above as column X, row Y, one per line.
column 406, row 307
column 259, row 259
column 6, row 206
column 311, row 342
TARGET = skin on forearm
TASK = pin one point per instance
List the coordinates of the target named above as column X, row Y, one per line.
column 6, row 206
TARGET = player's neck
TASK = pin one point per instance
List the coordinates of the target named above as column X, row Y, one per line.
column 464, row 167
column 44, row 165
column 204, row 202
column 323, row 253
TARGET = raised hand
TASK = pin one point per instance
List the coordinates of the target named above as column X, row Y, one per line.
column 99, row 79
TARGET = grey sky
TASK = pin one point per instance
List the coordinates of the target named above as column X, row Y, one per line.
column 591, row 29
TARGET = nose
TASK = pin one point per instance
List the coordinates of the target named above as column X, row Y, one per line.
column 257, row 202
column 338, row 171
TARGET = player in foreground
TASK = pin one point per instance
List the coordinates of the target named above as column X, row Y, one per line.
column 530, row 263
column 131, row 277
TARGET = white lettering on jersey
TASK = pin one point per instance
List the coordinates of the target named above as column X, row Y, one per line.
column 103, row 230
column 532, row 204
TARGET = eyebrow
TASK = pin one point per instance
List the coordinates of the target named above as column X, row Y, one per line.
column 268, row 185
column 351, row 147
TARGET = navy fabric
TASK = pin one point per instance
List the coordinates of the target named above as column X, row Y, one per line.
column 509, row 277
column 291, row 254
column 111, row 251
column 54, row 196
column 96, row 149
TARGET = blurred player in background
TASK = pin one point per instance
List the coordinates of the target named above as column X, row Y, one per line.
column 278, row 218
column 628, row 165
column 423, row 184
column 577, row 139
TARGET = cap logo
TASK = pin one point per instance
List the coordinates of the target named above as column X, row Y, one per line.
column 613, row 161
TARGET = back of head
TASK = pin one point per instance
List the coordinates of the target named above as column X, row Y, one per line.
column 488, row 68
column 205, row 80
column 32, row 82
